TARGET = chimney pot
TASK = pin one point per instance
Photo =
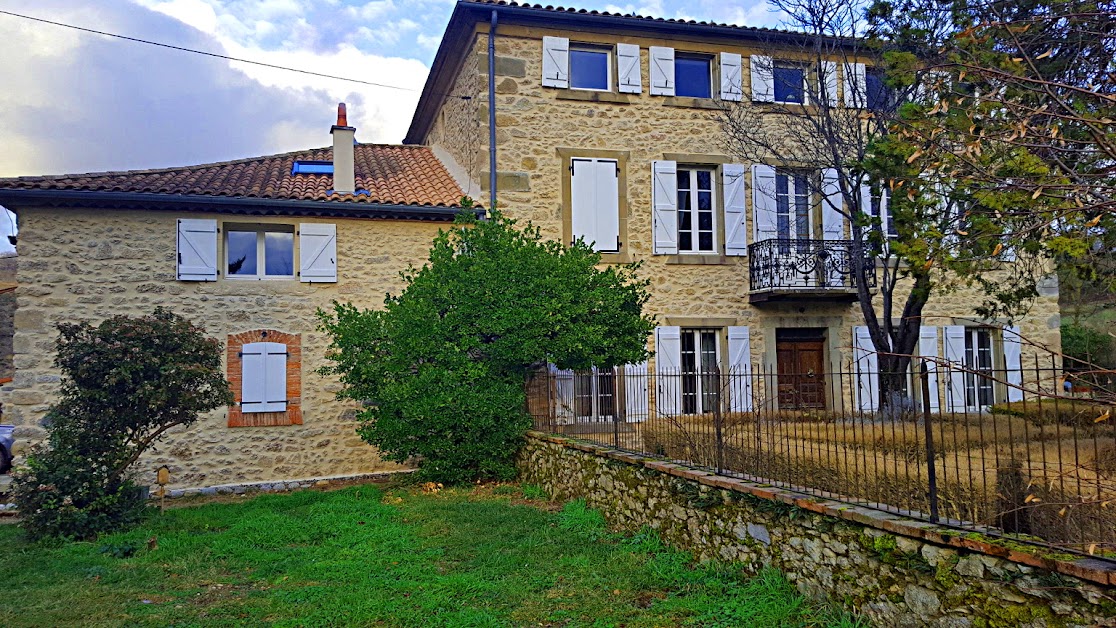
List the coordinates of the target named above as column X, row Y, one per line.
column 342, row 116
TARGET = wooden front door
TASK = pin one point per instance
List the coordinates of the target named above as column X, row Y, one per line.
column 801, row 374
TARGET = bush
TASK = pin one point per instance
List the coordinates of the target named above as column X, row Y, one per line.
column 441, row 371
column 125, row 383
column 1088, row 345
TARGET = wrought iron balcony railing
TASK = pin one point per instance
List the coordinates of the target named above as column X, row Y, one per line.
column 793, row 265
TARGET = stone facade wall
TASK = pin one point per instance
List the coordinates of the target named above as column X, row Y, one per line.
column 538, row 128
column 92, row 264
column 895, row 572
column 7, row 316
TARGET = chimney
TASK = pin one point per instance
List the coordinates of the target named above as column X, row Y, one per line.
column 344, row 177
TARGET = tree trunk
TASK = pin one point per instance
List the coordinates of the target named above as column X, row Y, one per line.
column 895, row 395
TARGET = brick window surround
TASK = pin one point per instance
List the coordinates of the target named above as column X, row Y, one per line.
column 293, row 414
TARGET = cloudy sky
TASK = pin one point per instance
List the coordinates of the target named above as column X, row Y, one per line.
column 77, row 102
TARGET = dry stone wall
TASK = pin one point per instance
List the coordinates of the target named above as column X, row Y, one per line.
column 852, row 556
column 93, row 264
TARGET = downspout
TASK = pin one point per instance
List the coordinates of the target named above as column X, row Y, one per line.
column 492, row 111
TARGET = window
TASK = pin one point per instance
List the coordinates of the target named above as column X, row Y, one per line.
column 878, row 94
column 792, row 205
column 595, row 202
column 693, row 76
column 790, row 83
column 595, row 394
column 980, row 388
column 700, row 359
column 264, row 368
column 696, row 216
column 259, row 252
column 312, row 167
column 590, row 68
column 879, row 210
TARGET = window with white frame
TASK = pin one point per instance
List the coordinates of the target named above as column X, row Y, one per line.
column 595, row 394
column 696, row 210
column 877, row 203
column 256, row 251
column 980, row 390
column 792, row 204
column 590, row 68
column 693, row 75
column 700, row 363
column 259, row 251
column 789, row 83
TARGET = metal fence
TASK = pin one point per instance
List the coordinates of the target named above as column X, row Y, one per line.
column 1016, row 453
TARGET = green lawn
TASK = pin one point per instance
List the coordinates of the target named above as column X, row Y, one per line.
column 368, row 557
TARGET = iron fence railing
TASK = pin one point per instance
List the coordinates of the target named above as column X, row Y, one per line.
column 1016, row 453
column 808, row 265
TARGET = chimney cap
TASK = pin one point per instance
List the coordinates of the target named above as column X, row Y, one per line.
column 342, row 118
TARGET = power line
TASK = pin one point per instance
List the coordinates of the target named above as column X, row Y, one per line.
column 208, row 54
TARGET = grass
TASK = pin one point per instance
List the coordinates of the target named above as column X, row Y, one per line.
column 487, row 556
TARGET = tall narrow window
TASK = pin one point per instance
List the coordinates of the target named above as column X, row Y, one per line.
column 696, row 217
column 979, row 385
column 700, row 361
column 792, row 207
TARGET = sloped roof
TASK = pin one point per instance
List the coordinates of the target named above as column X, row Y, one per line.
column 385, row 174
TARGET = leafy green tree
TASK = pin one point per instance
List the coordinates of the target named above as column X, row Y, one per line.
column 125, row 382
column 441, row 370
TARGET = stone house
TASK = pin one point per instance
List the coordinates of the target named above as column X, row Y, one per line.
column 250, row 249
column 606, row 128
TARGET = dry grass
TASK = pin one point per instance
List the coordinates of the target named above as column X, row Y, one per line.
column 1010, row 471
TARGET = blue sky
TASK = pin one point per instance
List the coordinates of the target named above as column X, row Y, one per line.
column 76, row 102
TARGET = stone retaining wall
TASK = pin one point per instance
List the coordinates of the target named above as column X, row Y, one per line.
column 893, row 571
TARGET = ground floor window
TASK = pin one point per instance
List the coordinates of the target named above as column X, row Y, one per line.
column 980, row 390
column 595, row 395
column 700, row 369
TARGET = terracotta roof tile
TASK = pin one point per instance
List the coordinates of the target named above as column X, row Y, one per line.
column 389, row 174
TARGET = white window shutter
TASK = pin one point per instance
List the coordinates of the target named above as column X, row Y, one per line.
column 608, row 205
column 740, row 369
column 1013, row 362
column 763, row 203
column 833, row 218
column 668, row 369
column 662, row 71
column 583, row 200
column 628, row 70
column 664, row 207
column 763, row 78
column 197, row 250
column 954, row 344
column 866, row 369
column 828, row 83
column 263, row 377
column 556, row 62
column 732, row 85
column 636, row 400
column 928, row 348
column 736, row 211
column 855, row 86
column 317, row 252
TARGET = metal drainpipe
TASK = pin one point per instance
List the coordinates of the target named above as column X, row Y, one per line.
column 492, row 111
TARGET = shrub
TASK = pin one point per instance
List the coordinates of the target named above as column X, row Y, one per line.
column 125, row 383
column 441, row 370
column 1088, row 345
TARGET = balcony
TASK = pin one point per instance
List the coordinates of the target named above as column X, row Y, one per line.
column 787, row 269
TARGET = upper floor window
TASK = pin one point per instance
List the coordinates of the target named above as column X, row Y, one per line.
column 790, row 83
column 693, row 75
column 258, row 252
column 595, row 202
column 877, row 91
column 696, row 215
column 590, row 68
column 792, row 204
